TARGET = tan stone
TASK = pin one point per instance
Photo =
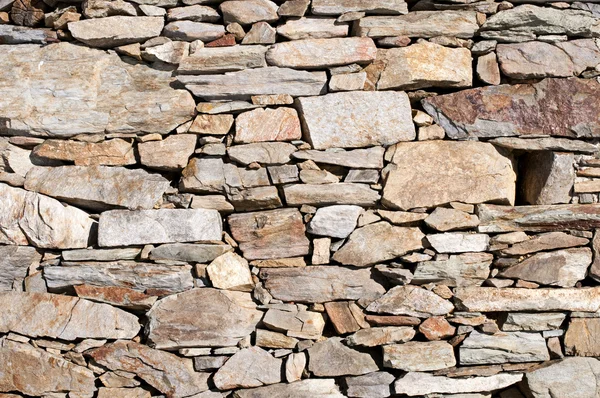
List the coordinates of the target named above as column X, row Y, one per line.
column 487, row 69
column 116, row 152
column 436, row 328
column 230, row 271
column 211, row 124
column 280, row 124
column 583, row 337
column 116, row 30
column 170, row 154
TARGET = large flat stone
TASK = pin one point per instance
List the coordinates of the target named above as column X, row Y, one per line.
column 10, row 34
column 412, row 301
column 191, row 31
column 508, row 347
column 339, row 7
column 330, row 194
column 116, row 31
column 517, row 321
column 468, row 269
column 583, row 337
column 188, row 252
column 14, row 264
column 262, row 152
column 431, row 173
column 356, row 119
column 312, row 28
column 569, row 378
column 372, row 385
column 223, row 59
column 309, row 388
column 543, row 144
column 332, row 358
column 249, row 367
column 368, row 158
column 419, row 384
column 115, row 152
column 416, row 356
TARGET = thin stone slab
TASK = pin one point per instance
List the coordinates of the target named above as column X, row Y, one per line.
column 368, row 158
column 129, row 253
column 249, row 367
column 116, row 152
column 443, row 219
column 123, row 227
column 309, row 388
column 416, row 384
column 570, row 378
column 330, row 194
column 223, row 59
column 509, row 347
column 188, row 252
column 312, row 28
column 280, row 124
column 335, row 221
column 225, row 318
column 14, row 264
column 191, row 31
column 170, row 154
column 457, row 242
column 377, row 118
column 268, row 153
column 116, row 296
column 544, row 144
column 412, row 301
column 116, row 30
column 332, row 358
column 376, row 336
column 416, row 356
column 10, row 34
column 516, row 321
column 468, row 269
column 337, row 7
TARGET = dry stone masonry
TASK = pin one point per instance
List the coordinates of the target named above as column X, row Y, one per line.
column 299, row 199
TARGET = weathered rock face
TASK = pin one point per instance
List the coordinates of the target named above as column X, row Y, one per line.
column 479, row 348
column 115, row 152
column 559, row 378
column 551, row 180
column 116, row 31
column 281, row 124
column 412, row 301
column 332, row 358
column 321, row 388
column 335, row 221
column 581, row 338
column 126, row 98
column 468, row 269
column 419, row 383
column 250, row 367
column 223, row 59
column 417, row 357
column 14, row 263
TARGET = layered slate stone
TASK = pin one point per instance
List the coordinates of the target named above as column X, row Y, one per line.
column 337, row 7
column 330, row 194
column 191, row 31
column 332, row 358
column 312, row 28
column 14, row 264
column 335, row 221
column 415, row 384
column 582, row 336
column 170, row 154
column 412, row 301
column 116, row 30
column 468, row 269
column 570, row 378
column 356, row 119
column 262, row 152
column 116, row 152
column 431, row 173
column 417, row 356
column 126, row 98
column 116, row 296
column 516, row 321
column 223, row 59
column 509, row 347
column 226, row 317
column 375, row 336
column 375, row 385
column 11, row 34
column 249, row 12
column 63, row 317
column 548, row 177
column 123, row 227
column 545, row 108
column 250, row 367
column 309, row 388
column 368, row 158
column 281, row 124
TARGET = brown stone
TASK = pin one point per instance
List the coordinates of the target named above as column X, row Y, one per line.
column 116, row 296
column 224, row 41
column 392, row 320
column 342, row 317
column 547, row 177
column 436, row 328
column 28, row 12
column 116, row 152
column 280, row 124
column 583, row 337
column 546, row 241
column 211, row 124
column 487, row 69
column 170, row 154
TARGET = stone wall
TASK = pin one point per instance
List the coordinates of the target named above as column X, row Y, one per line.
column 273, row 199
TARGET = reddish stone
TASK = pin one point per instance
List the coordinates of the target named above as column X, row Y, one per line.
column 227, row 40
column 436, row 328
column 392, row 320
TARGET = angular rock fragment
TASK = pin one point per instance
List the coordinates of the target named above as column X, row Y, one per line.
column 516, row 321
column 373, row 337
column 266, row 338
column 295, row 321
column 100, row 254
column 369, row 158
column 309, row 388
column 230, row 271
column 191, row 31
column 335, row 221
column 371, row 385
column 10, row 34
column 203, row 175
column 223, row 59
column 280, row 124
column 511, row 347
column 569, row 378
column 250, row 367
column 172, row 52
column 14, row 264
column 487, row 69
column 193, row 13
column 116, row 296
column 259, row 198
column 412, row 301
column 419, row 383
column 312, row 28
column 468, row 269
column 115, row 152
column 170, row 154
column 545, row 241
column 582, row 336
column 548, row 177
column 188, row 252
column 443, row 219
column 330, row 194
column 337, row 7
column 342, row 317
column 418, row 357
column 332, row 358
column 543, row 144
column 267, row 153
column 456, row 242
column 249, row 11
column 115, row 31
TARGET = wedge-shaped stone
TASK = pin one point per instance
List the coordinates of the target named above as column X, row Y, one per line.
column 35, row 372
column 116, row 296
column 443, row 219
column 547, row 177
column 516, row 321
column 431, row 173
column 416, row 356
column 98, row 187
column 497, row 111
column 123, row 227
column 489, row 299
column 372, row 337
column 337, row 7
column 320, row 53
column 134, row 275
column 582, row 337
column 260, row 81
column 457, row 242
column 412, row 301
column 309, row 388
column 280, row 124
column 332, row 358
column 312, row 28
column 335, row 221
column 461, row 24
column 569, row 378
column 126, row 98
column 250, row 367
column 419, row 384
column 223, row 59
column 31, row 218
column 426, row 65
column 546, row 241
column 392, row 242
column 188, row 252
column 170, row 154
column 202, row 318
column 368, row 158
column 373, row 385
column 116, row 31
column 269, row 234
column 115, row 152
column 356, row 119
column 63, row 317
column 320, row 284
column 511, row 347
column 14, row 264
column 330, row 194
column 168, row 373
column 262, row 152
column 230, row 271
column 468, row 269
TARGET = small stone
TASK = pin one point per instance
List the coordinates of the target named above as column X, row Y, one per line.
column 294, row 366
column 442, row 219
column 372, row 337
column 581, row 338
column 250, row 367
column 172, row 52
column 170, row 154
column 312, row 28
column 230, row 271
column 487, row 69
column 458, row 242
column 293, row 8
column 281, row 124
column 335, row 221
column 260, row 33
column 198, row 13
column 264, row 153
column 296, row 322
column 548, row 177
column 412, row 301
column 371, row 385
column 249, row 12
column 269, row 339
column 418, row 356
column 332, row 358
column 512, row 347
column 191, row 31
column 347, row 82
column 436, row 328
column 468, row 269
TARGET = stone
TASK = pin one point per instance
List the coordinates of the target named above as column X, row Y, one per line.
column 269, row 234
column 347, row 82
column 227, row 317
column 335, row 221
column 267, row 338
column 211, row 124
column 293, row 8
column 319, row 53
column 443, row 219
column 392, row 241
column 402, row 217
column 116, row 152
column 230, row 271
column 320, row 284
column 332, row 358
column 457, row 242
column 421, row 383
column 436, row 328
column 116, row 296
column 191, row 31
column 295, row 321
column 249, row 12
column 268, row 153
column 123, row 227
column 260, row 81
column 250, row 367
column 260, row 33
column 170, row 154
column 223, row 59
column 341, row 317
column 372, row 337
column 312, row 28
column 516, row 321
column 456, row 175
column 127, row 98
column 103, row 9
column 377, row 118
column 424, row 65
column 368, row 176
column 545, row 241
column 133, row 275
column 497, row 111
column 188, row 252
column 209, row 362
column 321, row 249
column 259, row 198
column 294, row 367
column 10, row 34
column 333, row 7
column 488, row 70
column 283, row 174
column 14, row 264
column 485, row 299
column 368, row 158
column 468, row 269
column 462, row 24
column 417, row 356
column 280, row 124
column 581, row 338
column 330, row 194
column 63, row 317
column 412, row 301
column 559, row 379
column 31, row 218
column 27, row 12
column 548, row 177
column 511, row 347
column 168, row 373
column 198, row 13
column 116, row 30
column 216, row 202
column 393, row 320
column 33, row 371
column 371, row 385
column 203, row 175
column 105, row 392
column 309, row 388
column 172, row 52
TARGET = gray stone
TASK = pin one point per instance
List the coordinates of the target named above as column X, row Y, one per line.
column 312, row 28
column 488, row 70
column 543, row 144
column 511, row 347
column 516, row 321
column 262, row 152
column 420, row 383
column 569, row 378
column 190, row 31
column 116, row 31
column 332, row 358
column 458, row 242
column 416, row 356
column 223, row 59
column 188, row 252
column 260, row 33
column 371, row 385
column 330, row 194
column 309, row 388
column 369, row 158
column 14, row 264
column 10, row 34
column 468, row 269
column 250, row 367
column 335, row 221
column 411, row 301
column 170, row 154
column 337, row 7
column 103, row 8
column 295, row 321
column 197, row 13
column 548, row 177
column 376, row 336
column 203, row 175
column 249, row 11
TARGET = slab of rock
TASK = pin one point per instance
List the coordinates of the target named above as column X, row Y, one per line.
column 498, row 111
column 542, row 144
column 63, row 317
column 547, row 178
column 368, row 158
column 249, row 12
column 116, row 31
column 168, row 373
column 468, row 269
column 188, row 252
column 269, row 234
column 267, row 153
column 377, row 336
column 309, row 388
column 320, row 53
column 417, row 356
column 487, row 69
column 516, row 321
column 345, row 316
column 170, row 154
column 320, row 284
column 34, row 371
column 582, row 337
column 411, row 301
column 123, row 227
column 116, row 152
column 14, row 264
column 295, row 321
column 392, row 241
column 431, row 173
column 10, row 34
column 203, row 175
column 134, row 275
column 424, row 65
column 31, row 218
column 443, row 219
column 280, row 124
column 378, row 118
column 330, row 194
column 511, row 347
column 488, row 299
column 419, row 383
column 116, row 296
column 559, row 379
column 462, row 24
column 337, row 7
column 545, row 241
column 335, row 221
column 312, row 28
column 191, row 31
column 332, row 358
column 223, row 59
column 267, row 338
column 193, row 13
column 211, row 124
column 457, row 242
column 249, row 367
column 230, row 271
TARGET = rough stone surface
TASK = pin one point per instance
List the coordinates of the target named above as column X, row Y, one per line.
column 230, row 271
column 559, row 379
column 115, row 152
column 420, row 383
column 581, row 338
column 250, row 367
column 479, row 348
column 317, row 388
column 412, row 301
column 281, row 124
column 418, row 357
column 169, row 154
column 333, row 358
column 14, row 263
column 115, row 31
column 548, row 178
column 468, row 269
column 223, row 59
column 335, row 221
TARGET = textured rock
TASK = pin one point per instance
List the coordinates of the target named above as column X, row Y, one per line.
column 337, row 7
column 63, row 317
column 330, row 194
column 356, row 119
column 468, row 269
column 479, row 348
column 295, row 321
column 123, row 227
column 541, row 144
column 548, row 177
column 488, row 70
column 443, row 171
column 372, row 337
column 516, row 321
column 310, row 388
column 281, row 124
column 223, row 59
column 193, row 13
column 559, row 379
column 335, row 221
column 170, row 154
column 443, row 219
column 312, row 28
column 332, row 358
column 188, row 252
column 250, row 367
column 419, row 383
column 344, row 315
column 417, row 356
column 115, row 31
column 582, row 336
column 230, row 271
column 262, row 152
column 371, row 385
column 116, row 296
column 226, row 318
column 203, row 175
column 10, row 34
column 436, row 328
column 190, row 31
column 412, row 301
column 456, row 242
column 249, row 12
column 115, row 152
column 14, row 264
